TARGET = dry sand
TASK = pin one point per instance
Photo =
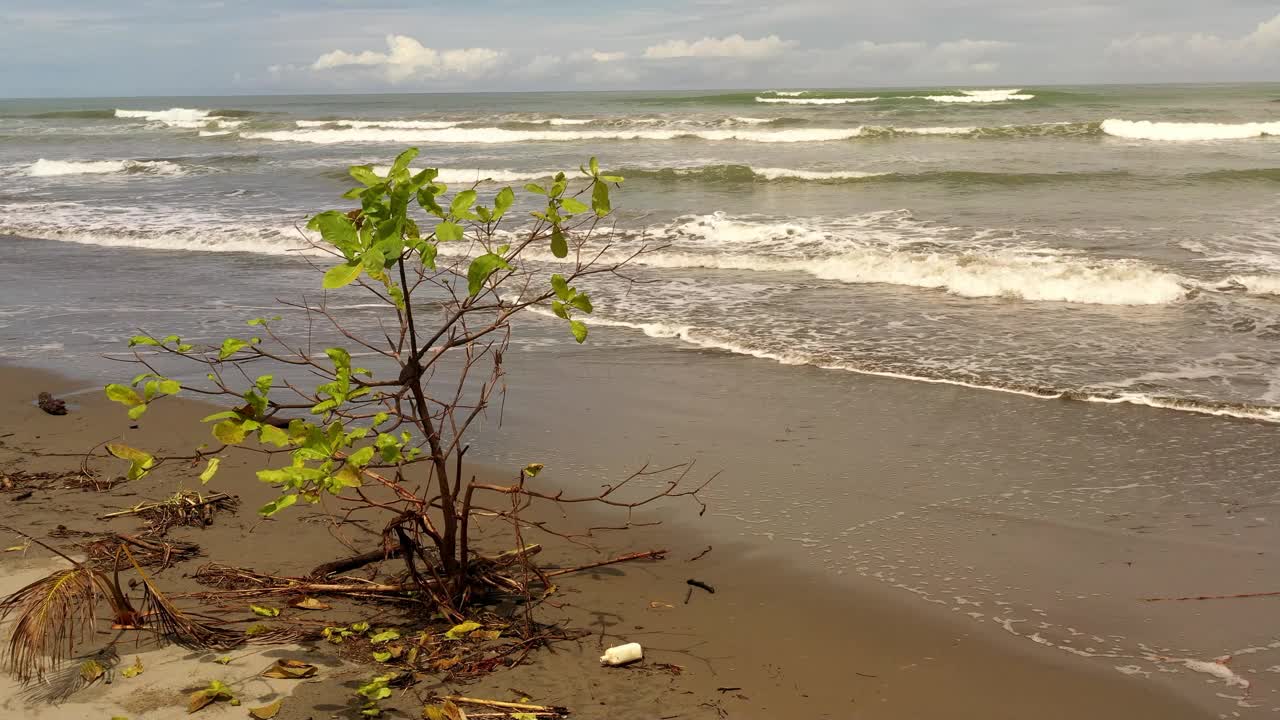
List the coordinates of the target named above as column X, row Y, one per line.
column 772, row 642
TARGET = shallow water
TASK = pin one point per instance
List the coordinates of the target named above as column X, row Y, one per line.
column 1112, row 243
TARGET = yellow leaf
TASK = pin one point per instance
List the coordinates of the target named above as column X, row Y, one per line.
column 198, row 700
column 267, row 712
column 133, row 670
column 264, row 611
column 458, row 631
column 91, row 670
column 224, row 660
column 18, row 548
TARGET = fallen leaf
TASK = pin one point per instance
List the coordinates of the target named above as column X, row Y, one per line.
column 257, row 629
column 224, row 660
column 659, row 605
column 385, row 636
column 198, row 700
column 133, row 670
column 266, row 712
column 485, row 634
column 446, row 663
column 382, row 656
column 524, row 716
column 216, row 691
column 290, row 670
column 311, row 604
column 18, row 548
column 91, row 671
column 264, row 611
column 458, row 631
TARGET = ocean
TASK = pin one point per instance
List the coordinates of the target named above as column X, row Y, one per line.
column 1110, row 244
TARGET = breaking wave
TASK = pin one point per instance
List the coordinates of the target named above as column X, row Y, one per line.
column 961, row 96
column 1187, row 131
column 816, row 101
column 184, row 118
column 498, row 135
column 56, row 168
column 391, row 124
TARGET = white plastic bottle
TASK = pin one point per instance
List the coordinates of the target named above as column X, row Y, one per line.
column 622, row 655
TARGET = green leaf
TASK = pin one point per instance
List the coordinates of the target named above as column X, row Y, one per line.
column 573, row 205
column 401, row 164
column 560, row 309
column 277, row 505
column 560, row 286
column 595, row 166
column 600, row 199
column 210, row 470
column 481, row 269
column 170, row 387
column 136, row 411
column 535, row 188
column 123, row 394
column 532, row 469
column 230, row 347
column 448, row 232
column 361, row 457
column 374, row 261
column 270, row 434
column 503, row 202
column 381, row 656
column 579, row 330
column 337, row 230
column 230, row 432
column 582, row 302
column 559, row 245
column 341, row 275
column 612, row 178
column 142, row 340
column 221, row 416
column 462, row 202
column 365, row 174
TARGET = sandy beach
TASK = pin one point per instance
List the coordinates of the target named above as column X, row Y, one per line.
column 777, row 639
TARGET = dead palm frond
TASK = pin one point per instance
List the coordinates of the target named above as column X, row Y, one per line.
column 85, row 671
column 183, row 508
column 53, row 614
column 175, row 626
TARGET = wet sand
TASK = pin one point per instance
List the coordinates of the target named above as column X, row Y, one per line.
column 789, row 638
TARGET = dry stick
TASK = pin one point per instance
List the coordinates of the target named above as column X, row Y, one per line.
column 143, row 507
column 1214, row 597
column 519, row 707
column 649, row 555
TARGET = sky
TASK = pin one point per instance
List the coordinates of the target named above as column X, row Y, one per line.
column 83, row 48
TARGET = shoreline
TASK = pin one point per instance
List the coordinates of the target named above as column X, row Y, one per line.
column 804, row 634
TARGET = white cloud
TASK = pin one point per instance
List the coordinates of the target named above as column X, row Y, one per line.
column 407, row 58
column 605, row 57
column 730, row 46
column 1195, row 49
column 951, row 57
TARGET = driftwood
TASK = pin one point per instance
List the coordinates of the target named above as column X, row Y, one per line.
column 347, row 564
column 1213, row 597
column 649, row 555
column 513, row 707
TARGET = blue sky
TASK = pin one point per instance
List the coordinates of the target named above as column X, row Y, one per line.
column 166, row 47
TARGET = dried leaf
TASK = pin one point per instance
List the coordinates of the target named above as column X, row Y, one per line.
column 224, row 660
column 267, row 712
column 290, row 670
column 485, row 635
column 446, row 663
column 659, row 605
column 133, row 670
column 265, row 611
column 458, row 631
column 310, row 604
column 524, row 716
column 215, row 692
column 18, row 548
column 198, row 700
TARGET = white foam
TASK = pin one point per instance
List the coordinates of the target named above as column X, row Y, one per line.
column 937, row 130
column 1187, row 132
column 752, row 120
column 788, row 93
column 569, row 121
column 816, row 101
column 391, row 124
column 818, row 175
column 183, row 118
column 56, row 168
column 499, row 135
column 1256, row 284
column 978, row 96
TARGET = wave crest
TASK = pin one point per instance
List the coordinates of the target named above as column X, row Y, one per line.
column 184, row 118
column 57, row 168
column 460, row 135
column 1187, row 131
